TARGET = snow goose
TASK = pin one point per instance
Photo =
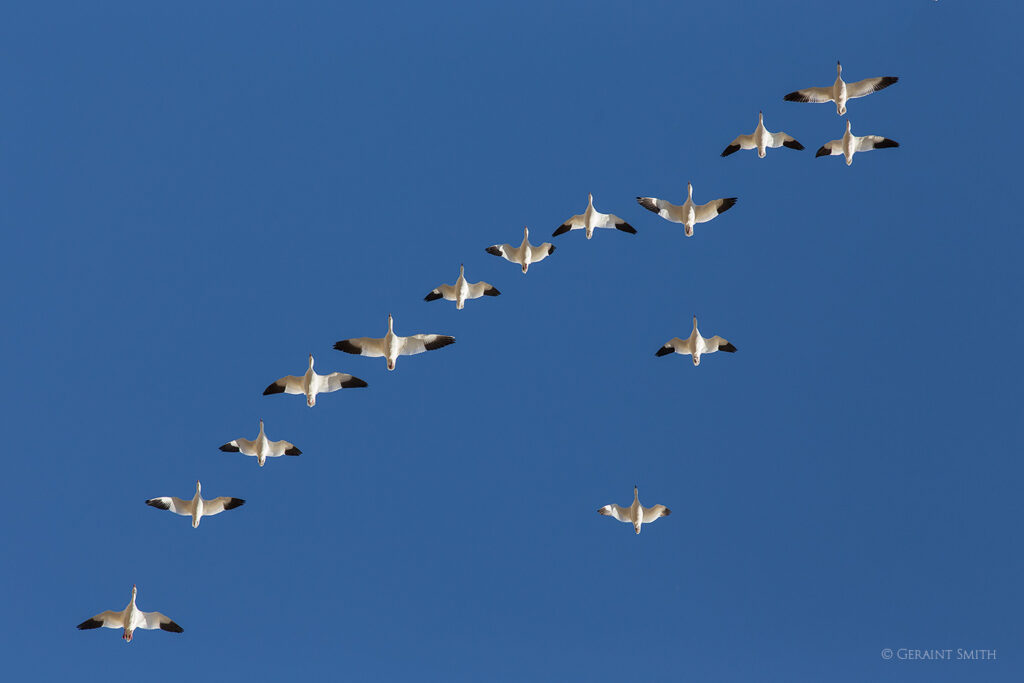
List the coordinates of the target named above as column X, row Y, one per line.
column 850, row 144
column 592, row 218
column 312, row 384
column 525, row 253
column 695, row 345
column 461, row 291
column 129, row 619
column 197, row 508
column 636, row 514
column 689, row 214
column 392, row 346
column 841, row 91
column 262, row 448
column 761, row 140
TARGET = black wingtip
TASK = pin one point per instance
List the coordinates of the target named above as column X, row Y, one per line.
column 159, row 504
column 551, row 250
column 625, row 227
column 666, row 513
column 89, row 623
column 886, row 142
column 293, row 451
column 730, row 149
column 563, row 228
column 172, row 627
column 354, row 383
column 347, row 346
column 886, row 82
column 792, row 144
column 727, row 204
column 493, row 250
column 441, row 341
column 727, row 347
column 230, row 448
column 492, row 291
column 433, row 296
column 648, row 204
column 234, row 503
column 664, row 350
column 795, row 96
column 274, row 388
column 823, row 152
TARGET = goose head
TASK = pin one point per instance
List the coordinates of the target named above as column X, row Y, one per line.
column 760, row 117
column 391, row 324
column 689, row 190
column 199, row 487
column 462, row 270
column 310, row 361
column 590, row 199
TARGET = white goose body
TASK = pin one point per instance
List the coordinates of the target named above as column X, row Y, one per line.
column 197, row 508
column 525, row 253
column 636, row 514
column 462, row 290
column 761, row 140
column 850, row 144
column 129, row 619
column 261, row 447
column 689, row 213
column 841, row 91
column 391, row 346
column 591, row 218
column 311, row 384
column 695, row 345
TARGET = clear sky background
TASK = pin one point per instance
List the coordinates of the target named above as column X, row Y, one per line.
column 196, row 197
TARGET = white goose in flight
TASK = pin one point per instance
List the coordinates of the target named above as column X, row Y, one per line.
column 850, row 144
column 525, row 253
column 312, row 384
column 695, row 345
column 197, row 508
column 761, row 139
column 841, row 91
column 392, row 346
column 636, row 514
column 461, row 291
column 129, row 619
column 592, row 218
column 689, row 214
column 262, row 448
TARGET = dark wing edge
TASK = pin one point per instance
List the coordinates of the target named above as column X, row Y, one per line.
column 441, row 341
column 275, row 388
column 348, row 347
column 792, row 144
column 730, row 149
column 171, row 626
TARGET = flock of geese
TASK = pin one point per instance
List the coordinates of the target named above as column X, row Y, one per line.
column 391, row 345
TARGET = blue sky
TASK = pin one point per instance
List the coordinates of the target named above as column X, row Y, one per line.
column 198, row 197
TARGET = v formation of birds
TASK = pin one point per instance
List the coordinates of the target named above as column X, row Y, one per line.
column 391, row 345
